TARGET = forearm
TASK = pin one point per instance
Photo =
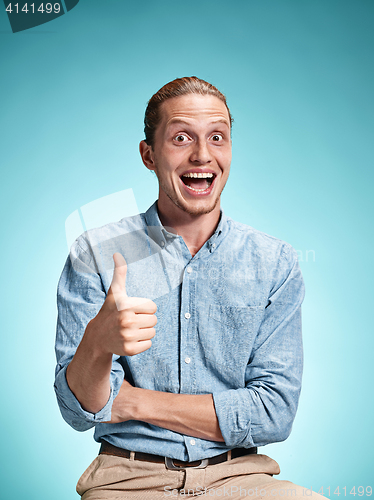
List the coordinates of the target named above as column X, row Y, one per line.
column 88, row 375
column 192, row 415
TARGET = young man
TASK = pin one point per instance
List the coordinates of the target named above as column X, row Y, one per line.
column 187, row 355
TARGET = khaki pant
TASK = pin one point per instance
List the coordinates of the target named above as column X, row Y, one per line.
column 111, row 477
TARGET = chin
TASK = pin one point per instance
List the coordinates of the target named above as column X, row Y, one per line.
column 197, row 210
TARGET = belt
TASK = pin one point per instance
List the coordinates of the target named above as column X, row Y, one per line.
column 170, row 463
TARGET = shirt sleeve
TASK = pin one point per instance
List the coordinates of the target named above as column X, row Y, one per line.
column 263, row 411
column 80, row 295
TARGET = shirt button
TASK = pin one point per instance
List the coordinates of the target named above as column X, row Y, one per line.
column 187, row 360
column 193, row 442
column 214, row 245
column 187, row 315
column 189, row 270
column 162, row 243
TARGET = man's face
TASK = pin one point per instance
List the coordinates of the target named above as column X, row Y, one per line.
column 192, row 153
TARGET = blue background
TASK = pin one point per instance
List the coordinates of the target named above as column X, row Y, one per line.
column 298, row 75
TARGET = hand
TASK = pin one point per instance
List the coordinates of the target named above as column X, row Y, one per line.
column 122, row 408
column 124, row 325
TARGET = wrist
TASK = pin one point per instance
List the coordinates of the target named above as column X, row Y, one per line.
column 93, row 345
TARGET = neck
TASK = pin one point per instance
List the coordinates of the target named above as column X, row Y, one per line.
column 194, row 229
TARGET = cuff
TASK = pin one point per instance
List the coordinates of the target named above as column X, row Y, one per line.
column 234, row 417
column 71, row 409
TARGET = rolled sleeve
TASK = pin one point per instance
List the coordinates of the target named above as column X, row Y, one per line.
column 71, row 409
column 263, row 411
column 233, row 409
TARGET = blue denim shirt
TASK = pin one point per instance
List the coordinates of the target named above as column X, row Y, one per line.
column 229, row 324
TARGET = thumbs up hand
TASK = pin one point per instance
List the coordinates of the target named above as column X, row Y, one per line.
column 124, row 325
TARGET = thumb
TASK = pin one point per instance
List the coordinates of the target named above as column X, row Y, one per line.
column 118, row 285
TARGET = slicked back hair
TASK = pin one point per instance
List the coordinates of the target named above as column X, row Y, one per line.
column 176, row 88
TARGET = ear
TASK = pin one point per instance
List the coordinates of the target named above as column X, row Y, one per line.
column 146, row 152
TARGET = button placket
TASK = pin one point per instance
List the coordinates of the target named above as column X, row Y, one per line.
column 186, row 324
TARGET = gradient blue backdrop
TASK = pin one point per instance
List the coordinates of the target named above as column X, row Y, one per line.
column 298, row 75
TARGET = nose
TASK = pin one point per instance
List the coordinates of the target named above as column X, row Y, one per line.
column 201, row 153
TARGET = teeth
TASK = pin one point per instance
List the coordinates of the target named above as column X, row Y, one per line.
column 199, row 176
column 198, row 190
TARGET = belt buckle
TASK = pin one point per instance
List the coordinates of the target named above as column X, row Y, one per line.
column 169, row 464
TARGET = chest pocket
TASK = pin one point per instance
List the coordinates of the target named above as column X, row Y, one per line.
column 229, row 340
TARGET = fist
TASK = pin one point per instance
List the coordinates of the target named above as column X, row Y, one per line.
column 124, row 325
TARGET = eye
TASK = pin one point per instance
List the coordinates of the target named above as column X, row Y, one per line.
column 181, row 138
column 217, row 138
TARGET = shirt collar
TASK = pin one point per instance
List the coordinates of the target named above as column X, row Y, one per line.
column 218, row 234
column 163, row 235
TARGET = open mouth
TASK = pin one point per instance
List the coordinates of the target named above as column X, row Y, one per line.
column 198, row 182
